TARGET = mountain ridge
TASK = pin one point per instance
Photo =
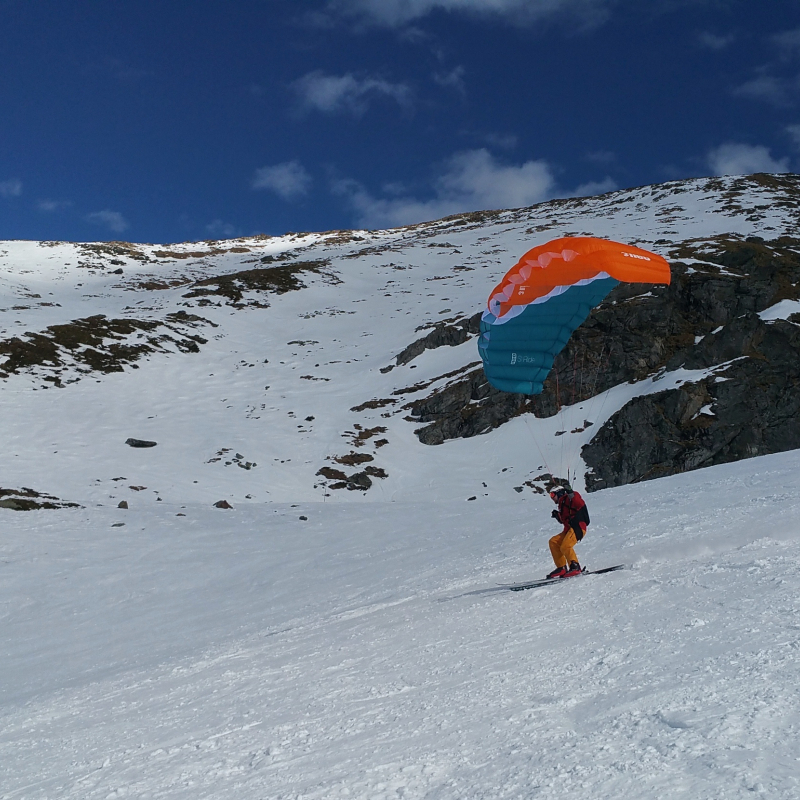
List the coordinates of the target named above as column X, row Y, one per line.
column 297, row 312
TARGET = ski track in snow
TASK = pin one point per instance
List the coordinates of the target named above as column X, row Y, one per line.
column 365, row 652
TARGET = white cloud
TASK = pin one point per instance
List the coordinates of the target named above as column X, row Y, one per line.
column 10, row 188
column 220, row 229
column 290, row 180
column 767, row 88
column 715, row 41
column 505, row 141
column 471, row 180
column 112, row 220
column 53, row 205
column 744, row 159
column 603, row 158
column 452, row 80
column 776, row 82
column 592, row 188
column 474, row 174
column 393, row 13
column 788, row 41
column 794, row 132
column 333, row 93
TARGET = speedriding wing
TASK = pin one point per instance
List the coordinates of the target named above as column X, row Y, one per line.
column 540, row 302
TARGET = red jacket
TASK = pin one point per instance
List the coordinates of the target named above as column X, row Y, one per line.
column 572, row 511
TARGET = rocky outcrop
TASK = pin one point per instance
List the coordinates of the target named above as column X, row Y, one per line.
column 445, row 333
column 131, row 442
column 750, row 407
column 467, row 407
column 707, row 316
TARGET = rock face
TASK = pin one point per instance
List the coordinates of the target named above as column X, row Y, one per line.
column 443, row 334
column 749, row 408
column 707, row 318
column 467, row 407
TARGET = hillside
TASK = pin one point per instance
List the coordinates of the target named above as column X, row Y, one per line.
column 292, row 368
column 335, row 629
column 364, row 652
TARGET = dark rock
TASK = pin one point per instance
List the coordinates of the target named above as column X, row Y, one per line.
column 359, row 481
column 122, row 504
column 750, row 407
column 707, row 316
column 222, row 504
column 140, row 443
column 443, row 334
column 468, row 407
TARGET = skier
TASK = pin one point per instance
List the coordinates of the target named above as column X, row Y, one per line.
column 574, row 516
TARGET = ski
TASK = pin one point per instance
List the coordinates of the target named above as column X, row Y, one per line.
column 518, row 587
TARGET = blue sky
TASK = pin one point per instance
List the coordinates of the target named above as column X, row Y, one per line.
column 171, row 120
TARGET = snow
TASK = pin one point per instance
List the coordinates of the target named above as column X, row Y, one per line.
column 707, row 409
column 782, row 310
column 311, row 643
column 367, row 653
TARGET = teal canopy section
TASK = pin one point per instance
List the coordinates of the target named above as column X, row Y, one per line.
column 518, row 354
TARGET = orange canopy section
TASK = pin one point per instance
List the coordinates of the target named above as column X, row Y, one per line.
column 552, row 267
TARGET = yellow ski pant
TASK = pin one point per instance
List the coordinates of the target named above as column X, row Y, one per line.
column 562, row 547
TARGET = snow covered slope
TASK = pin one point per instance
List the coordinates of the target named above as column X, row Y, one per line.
column 225, row 365
column 366, row 653
column 319, row 643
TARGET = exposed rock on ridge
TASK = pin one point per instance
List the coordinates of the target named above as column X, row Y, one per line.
column 708, row 316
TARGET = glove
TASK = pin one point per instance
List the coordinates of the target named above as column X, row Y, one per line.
column 555, row 515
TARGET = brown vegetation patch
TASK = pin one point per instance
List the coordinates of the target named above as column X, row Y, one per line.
column 277, row 280
column 374, row 404
column 25, row 499
column 362, row 435
column 358, row 481
column 114, row 249
column 353, row 459
column 157, row 286
column 177, row 255
column 332, row 474
column 97, row 343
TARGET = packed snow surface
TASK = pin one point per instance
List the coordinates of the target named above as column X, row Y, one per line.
column 366, row 652
column 313, row 643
